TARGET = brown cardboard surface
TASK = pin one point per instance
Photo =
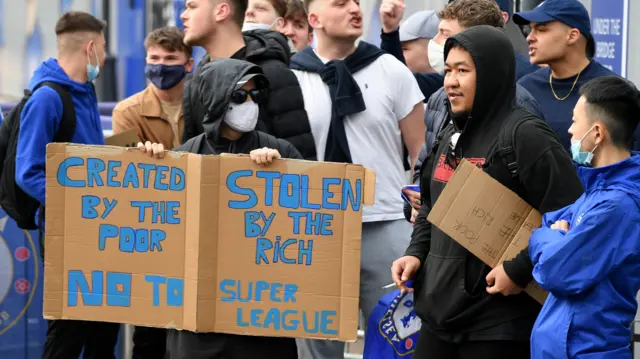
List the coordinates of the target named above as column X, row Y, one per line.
column 128, row 138
column 303, row 268
column 486, row 218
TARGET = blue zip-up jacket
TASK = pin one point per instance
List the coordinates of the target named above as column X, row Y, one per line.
column 40, row 120
column 592, row 271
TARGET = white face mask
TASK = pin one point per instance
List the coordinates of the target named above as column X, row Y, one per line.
column 248, row 26
column 242, row 117
column 436, row 57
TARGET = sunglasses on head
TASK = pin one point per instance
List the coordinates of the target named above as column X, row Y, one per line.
column 240, row 96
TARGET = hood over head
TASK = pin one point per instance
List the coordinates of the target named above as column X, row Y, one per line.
column 216, row 82
column 263, row 44
column 623, row 176
column 495, row 64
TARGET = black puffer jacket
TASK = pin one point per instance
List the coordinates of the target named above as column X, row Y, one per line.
column 284, row 115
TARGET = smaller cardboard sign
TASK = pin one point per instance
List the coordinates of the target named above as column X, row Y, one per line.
column 486, row 218
column 128, row 138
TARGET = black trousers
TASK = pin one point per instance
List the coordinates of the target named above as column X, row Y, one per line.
column 430, row 346
column 149, row 343
column 67, row 338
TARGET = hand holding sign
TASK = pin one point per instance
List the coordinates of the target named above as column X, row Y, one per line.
column 152, row 149
column 264, row 156
column 499, row 282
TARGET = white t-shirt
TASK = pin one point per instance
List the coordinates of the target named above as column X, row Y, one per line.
column 390, row 92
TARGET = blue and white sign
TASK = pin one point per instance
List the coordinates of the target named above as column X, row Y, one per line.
column 610, row 29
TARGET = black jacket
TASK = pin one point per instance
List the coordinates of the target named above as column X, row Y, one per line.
column 284, row 115
column 222, row 75
column 450, row 294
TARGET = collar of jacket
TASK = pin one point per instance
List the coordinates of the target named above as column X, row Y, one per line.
column 151, row 106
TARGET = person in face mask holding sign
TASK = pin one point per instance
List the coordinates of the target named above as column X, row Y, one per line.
column 156, row 113
column 231, row 92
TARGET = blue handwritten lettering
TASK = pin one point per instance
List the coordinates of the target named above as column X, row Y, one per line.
column 118, row 289
column 251, row 228
column 174, row 290
column 268, row 176
column 252, row 199
column 131, row 176
column 112, row 173
column 327, row 194
column 289, row 191
column 130, row 239
column 78, row 283
column 63, row 172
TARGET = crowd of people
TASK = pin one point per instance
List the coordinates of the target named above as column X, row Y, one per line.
column 555, row 127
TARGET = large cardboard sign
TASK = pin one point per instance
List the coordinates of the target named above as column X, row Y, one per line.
column 486, row 218
column 204, row 243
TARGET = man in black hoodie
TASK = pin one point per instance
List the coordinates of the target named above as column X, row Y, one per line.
column 216, row 26
column 230, row 91
column 460, row 318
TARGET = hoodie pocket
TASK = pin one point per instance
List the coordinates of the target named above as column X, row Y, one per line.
column 442, row 297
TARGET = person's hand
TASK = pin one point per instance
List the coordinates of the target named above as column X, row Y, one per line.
column 499, row 282
column 152, row 149
column 561, row 226
column 414, row 215
column 391, row 12
column 404, row 269
column 413, row 197
column 264, row 156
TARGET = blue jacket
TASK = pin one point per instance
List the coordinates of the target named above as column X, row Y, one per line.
column 39, row 123
column 592, row 271
column 393, row 328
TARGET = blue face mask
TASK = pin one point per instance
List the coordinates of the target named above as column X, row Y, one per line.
column 580, row 157
column 165, row 77
column 93, row 71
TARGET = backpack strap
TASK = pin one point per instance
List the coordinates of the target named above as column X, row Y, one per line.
column 67, row 127
column 507, row 138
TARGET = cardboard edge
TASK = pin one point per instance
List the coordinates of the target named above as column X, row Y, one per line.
column 350, row 261
column 369, row 196
column 53, row 265
column 191, row 243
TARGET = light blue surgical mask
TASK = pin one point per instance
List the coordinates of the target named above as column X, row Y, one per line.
column 579, row 156
column 93, row 71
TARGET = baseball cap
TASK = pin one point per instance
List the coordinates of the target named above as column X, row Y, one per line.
column 421, row 25
column 259, row 79
column 569, row 12
column 505, row 5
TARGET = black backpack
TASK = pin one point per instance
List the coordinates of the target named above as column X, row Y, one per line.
column 13, row 200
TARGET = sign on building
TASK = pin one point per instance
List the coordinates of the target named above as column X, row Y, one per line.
column 610, row 29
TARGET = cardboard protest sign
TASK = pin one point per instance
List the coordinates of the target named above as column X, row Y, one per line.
column 204, row 243
column 128, row 138
column 486, row 218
